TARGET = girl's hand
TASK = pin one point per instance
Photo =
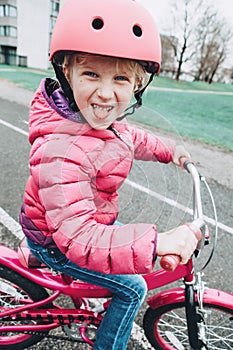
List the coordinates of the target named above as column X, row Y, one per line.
column 180, row 152
column 179, row 241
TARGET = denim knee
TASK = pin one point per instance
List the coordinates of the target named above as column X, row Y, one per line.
column 135, row 288
column 141, row 289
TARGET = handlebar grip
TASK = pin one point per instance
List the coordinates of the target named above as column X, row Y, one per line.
column 170, row 262
column 184, row 161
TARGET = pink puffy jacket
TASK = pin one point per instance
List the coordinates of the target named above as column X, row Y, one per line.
column 71, row 194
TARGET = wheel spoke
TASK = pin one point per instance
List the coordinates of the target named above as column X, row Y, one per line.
column 166, row 327
column 17, row 291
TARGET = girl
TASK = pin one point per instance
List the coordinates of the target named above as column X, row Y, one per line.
column 82, row 151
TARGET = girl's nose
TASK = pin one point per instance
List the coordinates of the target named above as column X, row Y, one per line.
column 105, row 91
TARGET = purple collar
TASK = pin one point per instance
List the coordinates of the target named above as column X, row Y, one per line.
column 62, row 104
column 57, row 100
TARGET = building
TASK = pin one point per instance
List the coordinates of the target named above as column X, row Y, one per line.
column 168, row 65
column 25, row 31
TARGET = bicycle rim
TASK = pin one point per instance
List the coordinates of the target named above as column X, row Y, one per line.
column 166, row 327
column 16, row 291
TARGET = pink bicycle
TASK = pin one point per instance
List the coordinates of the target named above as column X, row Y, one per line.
column 193, row 317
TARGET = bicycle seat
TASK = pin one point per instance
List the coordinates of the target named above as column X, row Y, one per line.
column 26, row 258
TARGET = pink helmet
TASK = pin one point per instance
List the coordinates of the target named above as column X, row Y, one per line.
column 118, row 28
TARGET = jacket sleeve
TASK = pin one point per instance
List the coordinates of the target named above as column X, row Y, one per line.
column 152, row 148
column 66, row 192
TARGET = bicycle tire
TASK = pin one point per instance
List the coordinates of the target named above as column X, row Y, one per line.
column 166, row 327
column 10, row 283
column 191, row 316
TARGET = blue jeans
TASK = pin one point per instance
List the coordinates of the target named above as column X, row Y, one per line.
column 128, row 291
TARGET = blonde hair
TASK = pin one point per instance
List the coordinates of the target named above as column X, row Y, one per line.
column 132, row 66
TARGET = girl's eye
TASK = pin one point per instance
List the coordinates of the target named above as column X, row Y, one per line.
column 91, row 74
column 121, row 78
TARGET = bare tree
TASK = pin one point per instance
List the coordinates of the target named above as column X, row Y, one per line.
column 185, row 16
column 211, row 45
column 225, row 75
column 200, row 37
column 168, row 60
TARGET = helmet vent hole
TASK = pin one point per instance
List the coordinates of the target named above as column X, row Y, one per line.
column 137, row 30
column 97, row 23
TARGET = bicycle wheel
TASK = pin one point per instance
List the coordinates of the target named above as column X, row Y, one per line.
column 16, row 290
column 191, row 316
column 166, row 327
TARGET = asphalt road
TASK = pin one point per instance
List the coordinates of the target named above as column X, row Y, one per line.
column 137, row 205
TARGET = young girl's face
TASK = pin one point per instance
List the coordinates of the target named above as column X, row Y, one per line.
column 102, row 88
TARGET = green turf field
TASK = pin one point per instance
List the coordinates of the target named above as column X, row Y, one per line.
column 193, row 109
column 207, row 117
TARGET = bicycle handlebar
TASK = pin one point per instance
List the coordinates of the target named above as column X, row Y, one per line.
column 170, row 262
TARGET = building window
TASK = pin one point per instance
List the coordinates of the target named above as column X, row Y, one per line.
column 55, row 6
column 8, row 31
column 8, row 55
column 8, row 11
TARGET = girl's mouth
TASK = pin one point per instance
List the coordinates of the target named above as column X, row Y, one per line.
column 101, row 112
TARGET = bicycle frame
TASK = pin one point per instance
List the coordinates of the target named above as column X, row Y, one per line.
column 79, row 291
column 46, row 279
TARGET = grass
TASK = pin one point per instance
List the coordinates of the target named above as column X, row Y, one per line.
column 198, row 110
column 24, row 77
column 204, row 117
column 194, row 85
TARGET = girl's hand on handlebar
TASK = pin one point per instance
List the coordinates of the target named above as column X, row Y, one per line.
column 180, row 152
column 181, row 241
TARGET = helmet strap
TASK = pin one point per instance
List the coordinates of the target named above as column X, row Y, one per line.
column 69, row 93
column 138, row 95
column 65, row 87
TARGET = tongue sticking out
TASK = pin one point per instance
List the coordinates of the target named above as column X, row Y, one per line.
column 101, row 112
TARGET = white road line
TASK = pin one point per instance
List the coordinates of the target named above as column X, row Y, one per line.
column 14, row 227
column 15, row 128
column 160, row 197
column 177, row 205
column 145, row 190
column 137, row 332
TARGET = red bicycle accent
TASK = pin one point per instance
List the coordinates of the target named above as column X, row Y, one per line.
column 177, row 318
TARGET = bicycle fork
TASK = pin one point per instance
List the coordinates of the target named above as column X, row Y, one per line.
column 195, row 313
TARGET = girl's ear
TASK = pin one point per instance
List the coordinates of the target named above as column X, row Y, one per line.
column 138, row 85
column 66, row 72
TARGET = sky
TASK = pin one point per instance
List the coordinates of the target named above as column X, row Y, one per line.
column 161, row 9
